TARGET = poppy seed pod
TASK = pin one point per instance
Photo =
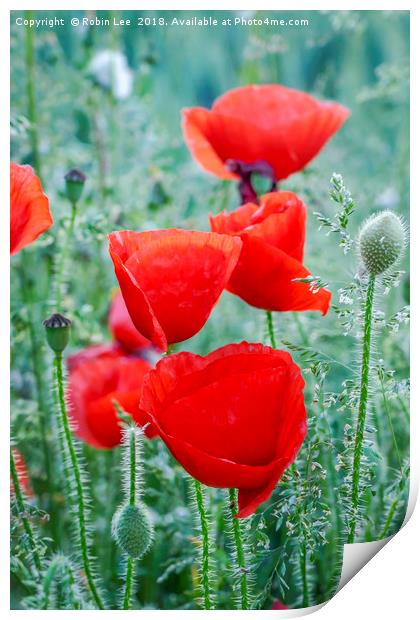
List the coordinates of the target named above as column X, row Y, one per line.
column 57, row 328
column 75, row 181
column 381, row 241
column 133, row 530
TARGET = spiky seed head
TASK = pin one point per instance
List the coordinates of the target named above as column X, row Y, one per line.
column 75, row 181
column 133, row 530
column 57, row 329
column 381, row 241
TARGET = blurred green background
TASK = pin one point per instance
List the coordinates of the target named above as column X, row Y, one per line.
column 141, row 176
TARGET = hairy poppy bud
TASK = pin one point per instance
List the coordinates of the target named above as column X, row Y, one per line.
column 57, row 328
column 75, row 181
column 381, row 241
column 133, row 530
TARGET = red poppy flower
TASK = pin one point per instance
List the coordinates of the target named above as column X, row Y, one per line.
column 277, row 604
column 171, row 279
column 109, row 350
column 122, row 327
column 268, row 124
column 22, row 474
column 94, row 386
column 233, row 419
column 273, row 236
column 29, row 208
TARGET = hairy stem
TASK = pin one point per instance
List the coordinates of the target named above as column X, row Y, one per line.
column 240, row 552
column 293, row 469
column 205, row 535
column 391, row 426
column 388, row 521
column 128, row 583
column 22, row 514
column 38, row 365
column 57, row 564
column 304, row 574
column 363, row 402
column 128, row 592
column 270, row 328
column 62, row 265
column 75, row 467
column 30, row 93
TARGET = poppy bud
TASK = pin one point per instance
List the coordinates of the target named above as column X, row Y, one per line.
column 381, row 241
column 133, row 530
column 75, row 180
column 58, row 332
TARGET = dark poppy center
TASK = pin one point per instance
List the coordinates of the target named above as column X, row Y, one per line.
column 245, row 171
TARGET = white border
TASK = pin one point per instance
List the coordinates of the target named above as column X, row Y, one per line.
column 388, row 585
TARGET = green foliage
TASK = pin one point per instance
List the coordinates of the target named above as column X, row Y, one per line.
column 141, row 176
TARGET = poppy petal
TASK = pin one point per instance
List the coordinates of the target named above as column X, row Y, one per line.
column 264, row 278
column 281, row 126
column 204, row 409
column 172, row 279
column 233, row 223
column 122, row 327
column 93, row 352
column 290, row 438
column 279, row 220
column 29, row 207
column 215, row 471
column 136, row 301
column 92, row 389
column 198, row 128
column 22, row 472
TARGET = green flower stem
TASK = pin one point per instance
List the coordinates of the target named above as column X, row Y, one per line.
column 128, row 583
column 128, row 592
column 304, row 573
column 293, row 470
column 57, row 564
column 205, row 564
column 113, row 479
column 81, row 502
column 30, row 93
column 37, row 363
column 302, row 333
column 302, row 550
column 22, row 514
column 240, row 552
column 62, row 265
column 391, row 426
column 100, row 148
column 405, row 409
column 270, row 328
column 388, row 521
column 363, row 401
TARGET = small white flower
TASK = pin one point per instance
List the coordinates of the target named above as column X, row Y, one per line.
column 110, row 70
